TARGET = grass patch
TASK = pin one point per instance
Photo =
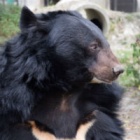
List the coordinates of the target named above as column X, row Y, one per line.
column 125, row 57
column 9, row 20
column 131, row 60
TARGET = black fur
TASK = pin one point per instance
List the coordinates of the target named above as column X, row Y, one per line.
column 82, row 102
column 47, row 62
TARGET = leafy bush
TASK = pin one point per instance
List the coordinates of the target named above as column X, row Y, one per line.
column 9, row 19
column 135, row 67
column 131, row 59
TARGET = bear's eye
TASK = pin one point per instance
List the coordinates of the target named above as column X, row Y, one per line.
column 94, row 46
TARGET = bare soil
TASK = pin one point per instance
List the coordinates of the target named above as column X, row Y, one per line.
column 130, row 113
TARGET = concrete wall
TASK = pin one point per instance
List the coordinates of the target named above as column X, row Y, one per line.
column 102, row 3
column 35, row 4
column 32, row 4
column 89, row 9
column 138, row 6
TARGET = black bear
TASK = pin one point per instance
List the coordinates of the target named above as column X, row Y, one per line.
column 47, row 81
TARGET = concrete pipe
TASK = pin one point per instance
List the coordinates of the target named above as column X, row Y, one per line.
column 93, row 12
column 96, row 15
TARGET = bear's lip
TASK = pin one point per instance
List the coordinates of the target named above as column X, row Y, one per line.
column 99, row 80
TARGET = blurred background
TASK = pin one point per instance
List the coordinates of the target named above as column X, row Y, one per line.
column 120, row 22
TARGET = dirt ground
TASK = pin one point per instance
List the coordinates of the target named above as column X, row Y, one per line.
column 130, row 114
column 124, row 28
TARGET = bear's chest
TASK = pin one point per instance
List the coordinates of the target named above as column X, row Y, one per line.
column 59, row 114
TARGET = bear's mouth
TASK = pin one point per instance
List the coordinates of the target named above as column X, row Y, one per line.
column 99, row 80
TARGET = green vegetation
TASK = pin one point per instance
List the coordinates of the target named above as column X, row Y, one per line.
column 136, row 61
column 131, row 59
column 9, row 19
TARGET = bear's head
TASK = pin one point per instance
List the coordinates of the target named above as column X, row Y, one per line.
column 63, row 47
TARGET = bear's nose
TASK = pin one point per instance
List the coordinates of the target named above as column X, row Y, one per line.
column 117, row 70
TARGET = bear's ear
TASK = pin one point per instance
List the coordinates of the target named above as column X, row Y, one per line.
column 27, row 19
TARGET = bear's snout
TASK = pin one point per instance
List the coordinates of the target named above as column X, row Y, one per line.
column 107, row 67
column 117, row 70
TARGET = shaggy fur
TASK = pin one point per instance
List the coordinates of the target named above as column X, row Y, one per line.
column 45, row 77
